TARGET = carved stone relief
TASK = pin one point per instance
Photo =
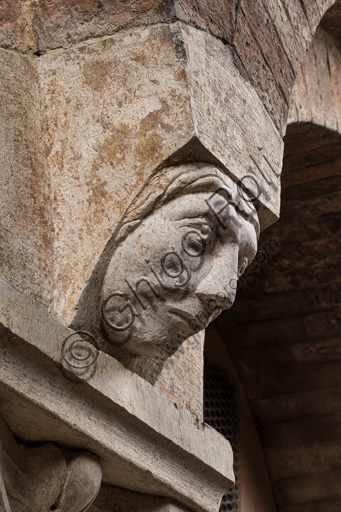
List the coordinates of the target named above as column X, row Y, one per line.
column 45, row 478
column 173, row 263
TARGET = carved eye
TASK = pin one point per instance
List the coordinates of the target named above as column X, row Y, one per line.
column 197, row 238
column 205, row 230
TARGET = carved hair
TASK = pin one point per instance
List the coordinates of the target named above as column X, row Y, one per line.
column 172, row 182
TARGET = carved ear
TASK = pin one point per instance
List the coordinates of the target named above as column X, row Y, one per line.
column 81, row 486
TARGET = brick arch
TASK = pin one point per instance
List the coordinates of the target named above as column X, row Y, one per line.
column 271, row 40
column 284, row 330
column 316, row 97
column 269, row 37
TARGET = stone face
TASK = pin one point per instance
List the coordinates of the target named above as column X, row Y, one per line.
column 105, row 107
column 190, row 227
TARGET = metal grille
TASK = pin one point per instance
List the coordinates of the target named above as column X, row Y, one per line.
column 221, row 413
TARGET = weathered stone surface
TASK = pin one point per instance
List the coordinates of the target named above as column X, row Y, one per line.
column 313, row 12
column 331, row 105
column 270, row 40
column 144, row 442
column 57, row 24
column 190, row 226
column 12, row 25
column 291, row 38
column 258, row 72
column 181, row 379
column 239, row 133
column 174, row 101
column 262, row 27
column 217, row 17
column 113, row 499
column 299, row 22
column 41, row 478
column 107, row 126
column 61, row 24
column 316, row 96
column 25, row 196
column 334, row 56
column 331, row 21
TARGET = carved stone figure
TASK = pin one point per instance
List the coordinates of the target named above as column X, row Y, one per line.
column 176, row 260
column 45, row 478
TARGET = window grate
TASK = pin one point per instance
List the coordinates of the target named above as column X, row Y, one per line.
column 221, row 413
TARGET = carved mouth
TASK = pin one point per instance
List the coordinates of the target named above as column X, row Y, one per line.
column 201, row 316
column 181, row 314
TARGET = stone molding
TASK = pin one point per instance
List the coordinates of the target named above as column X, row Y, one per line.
column 143, row 441
column 45, row 477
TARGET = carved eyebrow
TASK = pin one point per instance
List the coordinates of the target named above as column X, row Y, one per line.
column 197, row 217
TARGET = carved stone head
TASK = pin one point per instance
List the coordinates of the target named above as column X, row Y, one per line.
column 179, row 252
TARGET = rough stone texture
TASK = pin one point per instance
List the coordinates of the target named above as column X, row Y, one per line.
column 331, row 21
column 26, row 258
column 170, row 265
column 181, row 379
column 98, row 157
column 12, row 25
column 57, row 24
column 217, row 17
column 159, row 124
column 124, row 106
column 258, row 71
column 144, row 442
column 239, row 133
column 280, row 30
column 317, row 93
column 61, row 24
column 270, row 40
column 113, row 499
column 98, row 160
column 41, row 478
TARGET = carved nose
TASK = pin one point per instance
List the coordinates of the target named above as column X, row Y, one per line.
column 219, row 283
column 213, row 291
